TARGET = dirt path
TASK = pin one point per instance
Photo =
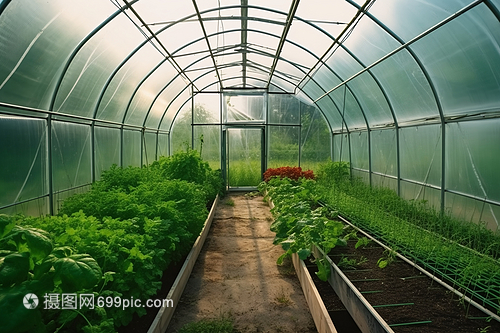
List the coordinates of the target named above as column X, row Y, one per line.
column 236, row 275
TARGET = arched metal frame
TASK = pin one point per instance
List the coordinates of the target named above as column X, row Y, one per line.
column 362, row 11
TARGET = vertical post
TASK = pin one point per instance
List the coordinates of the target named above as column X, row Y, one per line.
column 300, row 131
column 370, row 167
column 50, row 165
column 122, row 139
column 398, row 160
column 92, row 152
column 443, row 164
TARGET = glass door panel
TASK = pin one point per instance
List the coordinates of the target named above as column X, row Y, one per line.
column 244, row 156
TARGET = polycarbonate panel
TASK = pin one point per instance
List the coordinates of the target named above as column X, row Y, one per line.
column 290, row 71
column 24, row 159
column 472, row 158
column 147, row 92
column 308, row 37
column 93, row 64
column 359, row 150
column 406, row 87
column 431, row 196
column 283, row 146
column 162, row 144
column 170, row 113
column 160, row 13
column 179, row 34
column 384, row 154
column 408, row 18
column 331, row 16
column 369, row 42
column 132, row 142
column 164, row 101
column 71, row 155
column 420, row 155
column 202, row 79
column 149, row 148
column 472, row 210
column 284, row 85
column 181, row 134
column 343, row 64
column 243, row 108
column 371, row 99
column 107, row 149
column 315, row 138
column 382, row 181
column 207, row 142
column 331, row 112
column 326, row 78
column 349, row 108
column 283, row 109
column 206, row 108
column 341, row 148
column 36, row 37
column 117, row 95
column 463, row 61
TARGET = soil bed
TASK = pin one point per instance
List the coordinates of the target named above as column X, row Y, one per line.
column 400, row 283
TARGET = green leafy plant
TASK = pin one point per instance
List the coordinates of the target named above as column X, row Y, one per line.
column 345, row 262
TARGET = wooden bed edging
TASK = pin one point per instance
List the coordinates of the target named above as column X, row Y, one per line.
column 365, row 316
column 164, row 315
column 317, row 308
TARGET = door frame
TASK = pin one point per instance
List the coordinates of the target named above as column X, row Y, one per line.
column 225, row 167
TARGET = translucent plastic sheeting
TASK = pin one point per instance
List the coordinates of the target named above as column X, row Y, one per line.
column 165, row 102
column 384, row 154
column 335, row 116
column 132, row 143
column 36, row 38
column 359, row 150
column 383, row 181
column 399, row 15
column 107, row 149
column 371, row 99
column 206, row 108
column 283, row 109
column 343, row 64
column 181, row 133
column 341, row 147
column 463, row 61
column 146, row 92
column 472, row 158
column 162, row 144
column 243, row 108
column 149, row 148
column 348, row 108
column 210, row 147
column 24, row 159
column 315, row 138
column 369, row 42
column 283, row 146
column 93, row 65
column 71, row 155
column 420, row 157
column 116, row 98
column 412, row 191
column 407, row 87
column 165, row 122
column 473, row 210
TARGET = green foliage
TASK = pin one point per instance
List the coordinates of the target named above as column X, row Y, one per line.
column 298, row 224
column 30, row 264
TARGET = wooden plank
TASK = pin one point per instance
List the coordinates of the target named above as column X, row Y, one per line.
column 164, row 315
column 317, row 308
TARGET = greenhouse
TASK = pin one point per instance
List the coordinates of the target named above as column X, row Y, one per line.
column 127, row 125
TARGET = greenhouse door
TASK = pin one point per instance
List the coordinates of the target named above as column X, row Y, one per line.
column 245, row 161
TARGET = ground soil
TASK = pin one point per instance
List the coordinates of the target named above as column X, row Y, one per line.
column 400, row 283
column 236, row 275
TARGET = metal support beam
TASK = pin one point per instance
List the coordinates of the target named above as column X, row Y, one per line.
column 244, row 34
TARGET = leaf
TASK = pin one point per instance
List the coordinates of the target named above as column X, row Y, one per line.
column 14, row 268
column 14, row 316
column 6, row 224
column 37, row 241
column 77, row 272
column 382, row 263
column 323, row 270
column 304, row 253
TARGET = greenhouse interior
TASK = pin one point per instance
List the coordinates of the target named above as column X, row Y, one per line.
column 122, row 121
